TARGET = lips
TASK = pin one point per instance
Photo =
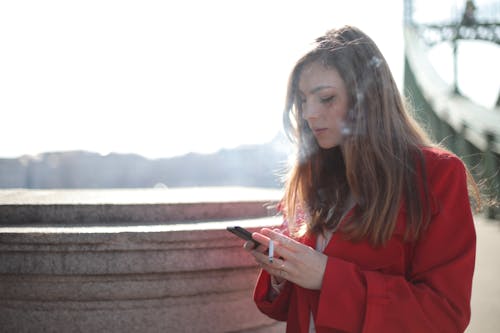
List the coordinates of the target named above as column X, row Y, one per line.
column 319, row 130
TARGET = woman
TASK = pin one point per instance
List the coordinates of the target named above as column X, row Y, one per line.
column 379, row 232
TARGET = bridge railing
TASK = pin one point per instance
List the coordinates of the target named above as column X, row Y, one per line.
column 469, row 130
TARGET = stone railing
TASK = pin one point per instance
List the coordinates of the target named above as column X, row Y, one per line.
column 130, row 260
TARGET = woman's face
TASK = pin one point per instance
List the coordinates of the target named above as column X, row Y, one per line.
column 324, row 103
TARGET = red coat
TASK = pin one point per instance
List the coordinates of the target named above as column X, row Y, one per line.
column 401, row 287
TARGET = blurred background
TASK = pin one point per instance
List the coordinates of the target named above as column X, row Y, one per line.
column 152, row 93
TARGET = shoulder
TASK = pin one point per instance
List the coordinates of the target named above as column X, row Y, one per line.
column 446, row 177
column 439, row 162
column 438, row 154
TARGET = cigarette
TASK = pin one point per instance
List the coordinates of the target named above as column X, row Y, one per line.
column 271, row 251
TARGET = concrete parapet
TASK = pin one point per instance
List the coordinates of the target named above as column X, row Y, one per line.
column 191, row 276
column 133, row 206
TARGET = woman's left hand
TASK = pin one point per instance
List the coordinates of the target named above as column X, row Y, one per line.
column 298, row 263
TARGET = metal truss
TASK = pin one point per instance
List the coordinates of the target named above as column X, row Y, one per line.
column 433, row 34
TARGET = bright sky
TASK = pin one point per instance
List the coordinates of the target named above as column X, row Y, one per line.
column 162, row 78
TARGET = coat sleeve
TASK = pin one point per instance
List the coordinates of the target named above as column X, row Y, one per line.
column 435, row 297
column 276, row 309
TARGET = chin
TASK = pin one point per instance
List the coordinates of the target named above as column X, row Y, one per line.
column 328, row 145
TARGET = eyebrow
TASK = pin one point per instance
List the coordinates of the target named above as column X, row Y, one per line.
column 318, row 88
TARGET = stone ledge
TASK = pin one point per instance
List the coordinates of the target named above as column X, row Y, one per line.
column 209, row 313
column 126, row 287
column 136, row 196
column 176, row 248
column 184, row 277
column 77, row 267
column 129, row 207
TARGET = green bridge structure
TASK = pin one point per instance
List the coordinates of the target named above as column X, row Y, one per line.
column 466, row 128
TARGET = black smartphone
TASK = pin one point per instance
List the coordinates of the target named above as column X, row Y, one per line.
column 243, row 233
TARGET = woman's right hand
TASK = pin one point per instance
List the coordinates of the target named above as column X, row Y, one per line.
column 258, row 251
column 293, row 261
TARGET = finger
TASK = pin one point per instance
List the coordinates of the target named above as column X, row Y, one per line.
column 278, row 263
column 278, row 269
column 264, row 262
column 261, row 257
column 249, row 245
column 265, row 235
column 277, row 235
column 280, row 238
column 279, row 249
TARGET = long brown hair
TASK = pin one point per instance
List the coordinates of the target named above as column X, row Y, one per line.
column 380, row 159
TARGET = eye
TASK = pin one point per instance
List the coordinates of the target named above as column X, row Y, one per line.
column 326, row 100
